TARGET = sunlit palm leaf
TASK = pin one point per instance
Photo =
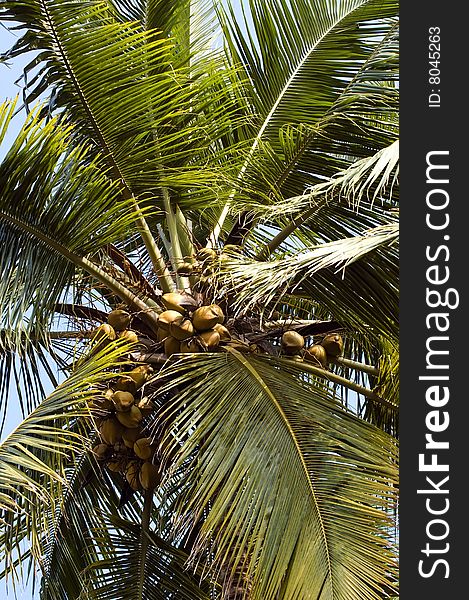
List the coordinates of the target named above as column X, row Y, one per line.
column 291, row 491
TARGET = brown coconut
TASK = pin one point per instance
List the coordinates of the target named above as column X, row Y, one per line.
column 143, row 449
column 131, row 418
column 126, row 384
column 210, row 339
column 145, row 406
column 123, row 401
column 171, row 346
column 132, row 472
column 292, row 342
column 190, row 346
column 129, row 336
column 101, row 451
column 141, row 374
column 173, row 301
column 333, row 344
column 316, row 355
column 225, row 335
column 167, row 317
column 119, row 319
column 130, row 435
column 181, row 331
column 206, row 317
column 149, row 476
column 110, row 431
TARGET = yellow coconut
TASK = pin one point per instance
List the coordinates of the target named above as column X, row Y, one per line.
column 149, row 476
column 316, row 355
column 126, row 384
column 210, row 339
column 143, row 449
column 333, row 344
column 130, row 435
column 110, row 431
column 181, row 331
column 119, row 319
column 225, row 335
column 206, row 317
column 167, row 317
column 292, row 342
column 171, row 346
column 123, row 401
column 131, row 418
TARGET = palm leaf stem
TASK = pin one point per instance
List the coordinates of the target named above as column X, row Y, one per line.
column 79, row 261
column 355, row 387
column 145, row 540
column 353, row 364
column 284, row 234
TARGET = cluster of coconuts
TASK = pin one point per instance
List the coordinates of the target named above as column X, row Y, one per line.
column 184, row 328
column 119, row 412
column 331, row 346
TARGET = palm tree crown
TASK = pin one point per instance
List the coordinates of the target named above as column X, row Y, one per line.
column 199, row 229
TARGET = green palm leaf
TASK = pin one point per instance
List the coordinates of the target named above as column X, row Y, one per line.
column 256, row 439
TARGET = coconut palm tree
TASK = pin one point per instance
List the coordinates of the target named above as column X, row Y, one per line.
column 198, row 230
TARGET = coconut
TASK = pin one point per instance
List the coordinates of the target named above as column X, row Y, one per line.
column 206, row 317
column 167, row 317
column 143, row 449
column 333, row 344
column 116, row 466
column 292, row 342
column 102, row 335
column 161, row 334
column 129, row 336
column 316, row 355
column 132, row 472
column 118, row 319
column 225, row 335
column 131, row 418
column 145, row 406
column 126, row 384
column 130, row 435
column 185, row 269
column 111, row 430
column 171, row 346
column 210, row 339
column 190, row 346
column 149, row 476
column 181, row 331
column 100, row 405
column 173, row 301
column 123, row 401
column 101, row 451
column 141, row 374
column 206, row 254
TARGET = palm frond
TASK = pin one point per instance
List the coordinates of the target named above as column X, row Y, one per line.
column 254, row 439
column 34, row 457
